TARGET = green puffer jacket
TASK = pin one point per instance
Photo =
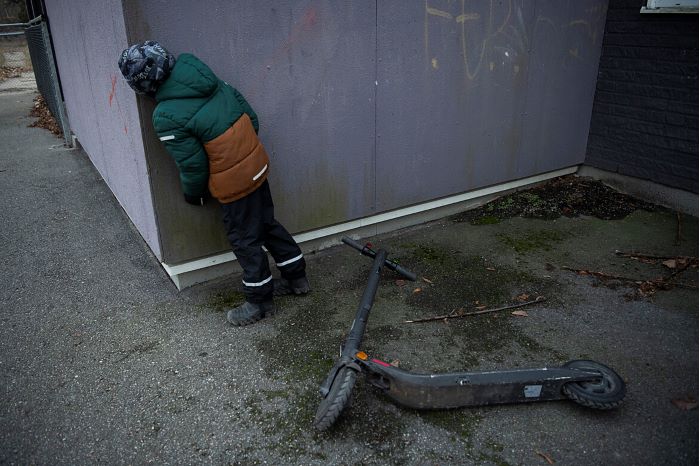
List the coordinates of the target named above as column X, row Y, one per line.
column 211, row 132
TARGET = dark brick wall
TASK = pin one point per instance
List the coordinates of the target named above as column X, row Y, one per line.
column 645, row 114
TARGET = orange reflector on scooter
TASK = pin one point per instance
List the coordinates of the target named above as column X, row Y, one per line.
column 361, row 355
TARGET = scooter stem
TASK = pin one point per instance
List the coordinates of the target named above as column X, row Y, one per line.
column 354, row 339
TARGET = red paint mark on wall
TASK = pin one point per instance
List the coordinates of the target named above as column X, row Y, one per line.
column 114, row 89
column 302, row 31
column 112, row 93
column 310, row 18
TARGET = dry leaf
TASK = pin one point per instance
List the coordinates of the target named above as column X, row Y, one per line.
column 687, row 403
column 523, row 297
column 671, row 263
column 427, row 281
column 582, row 272
column 546, row 457
column 417, row 290
column 400, row 282
column 648, row 288
column 520, row 313
column 395, row 363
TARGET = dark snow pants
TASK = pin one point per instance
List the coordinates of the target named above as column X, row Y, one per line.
column 250, row 225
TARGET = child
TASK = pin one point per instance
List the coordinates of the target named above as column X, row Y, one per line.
column 211, row 132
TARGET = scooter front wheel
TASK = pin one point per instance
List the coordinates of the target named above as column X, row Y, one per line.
column 606, row 393
column 337, row 399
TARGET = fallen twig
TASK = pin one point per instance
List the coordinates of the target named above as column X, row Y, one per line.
column 680, row 263
column 644, row 287
column 604, row 275
column 632, row 255
column 684, row 285
column 547, row 458
column 455, row 315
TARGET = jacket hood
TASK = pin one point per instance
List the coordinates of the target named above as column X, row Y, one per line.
column 189, row 78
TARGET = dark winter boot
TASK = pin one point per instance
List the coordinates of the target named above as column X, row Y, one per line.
column 297, row 286
column 249, row 313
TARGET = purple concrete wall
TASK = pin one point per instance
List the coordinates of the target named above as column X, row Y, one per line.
column 368, row 106
column 307, row 68
column 475, row 93
column 88, row 37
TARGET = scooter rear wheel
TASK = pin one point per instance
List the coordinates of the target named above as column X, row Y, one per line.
column 607, row 393
column 337, row 399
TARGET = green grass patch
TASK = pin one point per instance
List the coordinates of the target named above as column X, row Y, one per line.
column 539, row 240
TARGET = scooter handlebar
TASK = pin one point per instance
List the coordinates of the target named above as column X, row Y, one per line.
column 406, row 273
column 352, row 243
column 367, row 251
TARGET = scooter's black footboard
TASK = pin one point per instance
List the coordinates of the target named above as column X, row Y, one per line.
column 454, row 390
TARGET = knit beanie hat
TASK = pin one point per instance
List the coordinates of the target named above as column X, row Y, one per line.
column 145, row 66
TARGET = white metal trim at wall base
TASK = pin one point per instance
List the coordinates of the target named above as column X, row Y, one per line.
column 208, row 268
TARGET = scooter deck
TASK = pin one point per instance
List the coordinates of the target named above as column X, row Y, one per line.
column 464, row 389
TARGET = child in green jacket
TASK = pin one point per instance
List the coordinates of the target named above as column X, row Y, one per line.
column 210, row 130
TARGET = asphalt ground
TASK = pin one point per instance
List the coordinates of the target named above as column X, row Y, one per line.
column 102, row 360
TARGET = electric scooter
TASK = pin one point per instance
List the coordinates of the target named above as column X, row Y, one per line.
column 587, row 383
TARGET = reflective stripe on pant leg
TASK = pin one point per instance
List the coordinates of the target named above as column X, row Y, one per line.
column 293, row 268
column 287, row 262
column 258, row 292
column 257, row 279
column 262, row 283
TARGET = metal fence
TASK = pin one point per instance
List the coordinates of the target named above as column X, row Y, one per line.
column 6, row 29
column 41, row 51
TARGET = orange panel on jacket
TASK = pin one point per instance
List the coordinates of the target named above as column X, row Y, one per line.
column 238, row 162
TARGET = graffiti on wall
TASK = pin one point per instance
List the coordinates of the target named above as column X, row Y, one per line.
column 499, row 38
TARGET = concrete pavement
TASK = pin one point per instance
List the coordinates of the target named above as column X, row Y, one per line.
column 102, row 360
column 25, row 82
